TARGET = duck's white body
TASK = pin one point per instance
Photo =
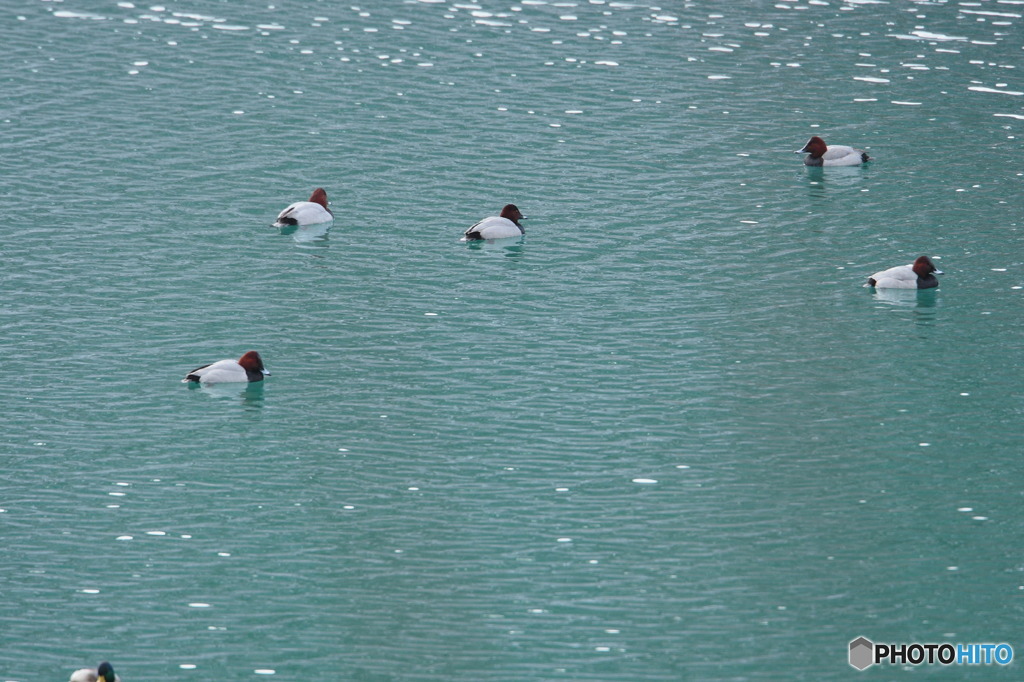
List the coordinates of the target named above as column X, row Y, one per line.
column 841, row 155
column 247, row 368
column 820, row 154
column 899, row 277
column 312, row 212
column 494, row 227
column 303, row 213
column 220, row 372
column 498, row 226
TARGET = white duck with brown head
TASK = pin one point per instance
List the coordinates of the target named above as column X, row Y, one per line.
column 498, row 227
column 249, row 367
column 104, row 672
column 821, row 154
column 312, row 212
column 917, row 275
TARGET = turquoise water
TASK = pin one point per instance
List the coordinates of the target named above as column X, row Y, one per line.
column 666, row 435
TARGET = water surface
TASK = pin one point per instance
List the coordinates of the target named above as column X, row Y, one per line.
column 665, row 435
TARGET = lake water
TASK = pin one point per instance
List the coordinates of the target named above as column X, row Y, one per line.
column 666, row 435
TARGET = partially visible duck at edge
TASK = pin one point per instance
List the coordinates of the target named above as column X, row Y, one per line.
column 103, row 673
column 498, row 227
column 312, row 212
column 821, row 154
column 918, row 275
column 249, row 367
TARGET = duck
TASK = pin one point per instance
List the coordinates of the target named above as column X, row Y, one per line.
column 312, row 212
column 249, row 367
column 103, row 673
column 917, row 275
column 498, row 227
column 821, row 154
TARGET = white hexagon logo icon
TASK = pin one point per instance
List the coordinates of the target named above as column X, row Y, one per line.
column 862, row 653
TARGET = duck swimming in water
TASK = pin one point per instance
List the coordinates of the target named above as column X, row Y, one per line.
column 312, row 212
column 498, row 227
column 103, row 673
column 249, row 367
column 917, row 275
column 820, row 154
